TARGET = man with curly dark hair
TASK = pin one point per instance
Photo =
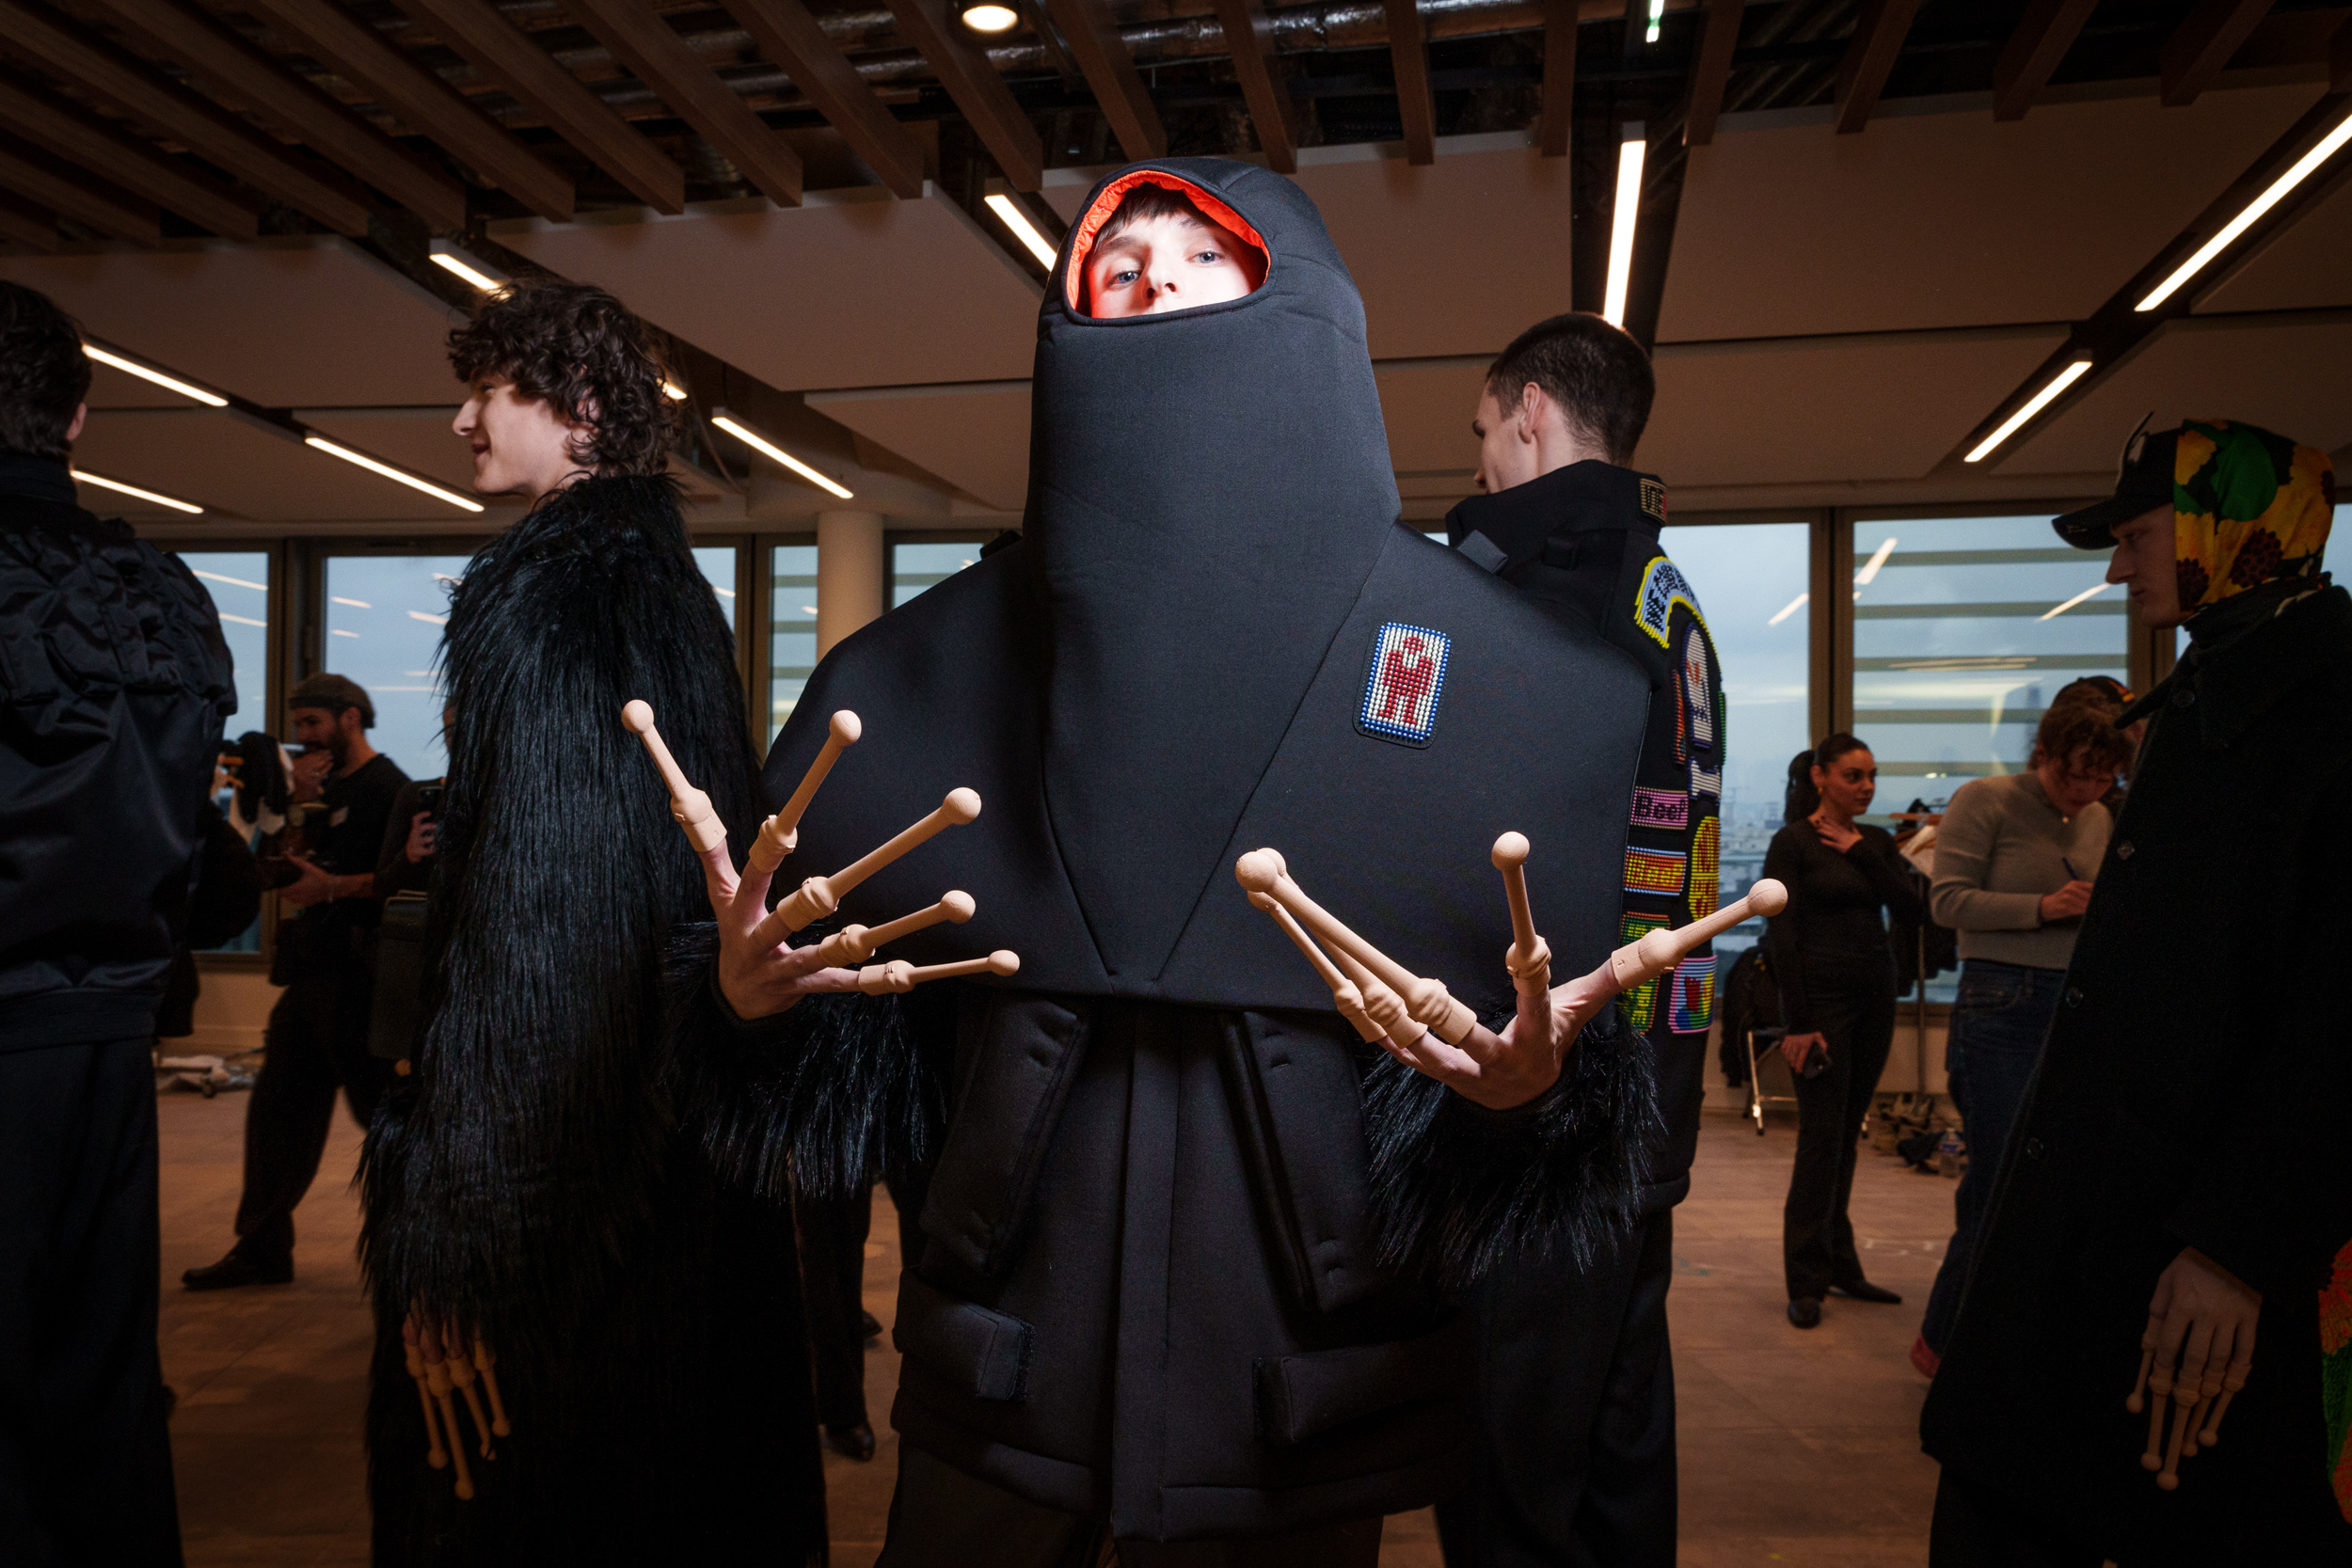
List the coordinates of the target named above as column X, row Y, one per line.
column 527, row 1187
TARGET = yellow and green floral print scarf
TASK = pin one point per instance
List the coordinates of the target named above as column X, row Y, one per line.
column 2249, row 507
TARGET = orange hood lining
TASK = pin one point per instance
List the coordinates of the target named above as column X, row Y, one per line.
column 1073, row 278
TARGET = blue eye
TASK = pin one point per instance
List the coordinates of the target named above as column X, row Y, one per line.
column 1120, row 279
column 1208, row 256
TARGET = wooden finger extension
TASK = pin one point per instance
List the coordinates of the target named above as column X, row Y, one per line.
column 1637, row 963
column 781, row 833
column 690, row 807
column 1529, row 956
column 1425, row 1000
column 1345, row 994
column 822, row 895
column 900, row 976
column 855, row 944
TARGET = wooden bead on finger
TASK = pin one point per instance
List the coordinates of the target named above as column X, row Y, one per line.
column 1529, row 956
column 1637, row 963
column 434, row 1455
column 819, row 897
column 437, row 1379
column 2184, row 1410
column 688, row 807
column 781, row 833
column 2232, row 1382
column 900, row 976
column 461, row 1374
column 487, row 1365
column 1426, row 1000
column 855, row 944
column 2136, row 1400
column 1345, row 994
column 2160, row 1390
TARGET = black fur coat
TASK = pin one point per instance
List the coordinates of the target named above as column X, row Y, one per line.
column 531, row 1178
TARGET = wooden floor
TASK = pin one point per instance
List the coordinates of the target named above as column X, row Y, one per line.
column 1796, row 1447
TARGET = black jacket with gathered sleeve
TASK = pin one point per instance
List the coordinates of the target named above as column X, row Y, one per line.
column 1833, row 930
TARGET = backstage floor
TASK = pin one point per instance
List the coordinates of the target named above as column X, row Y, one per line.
column 1796, row 1447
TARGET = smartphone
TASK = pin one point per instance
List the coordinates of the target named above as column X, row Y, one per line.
column 429, row 797
column 1815, row 1060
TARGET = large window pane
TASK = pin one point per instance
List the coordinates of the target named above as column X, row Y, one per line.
column 718, row 565
column 384, row 620
column 917, row 563
column 1965, row 628
column 792, row 641
column 1749, row 578
column 238, row 582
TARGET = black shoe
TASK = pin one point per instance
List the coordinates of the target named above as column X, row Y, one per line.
column 238, row 1269
column 868, row 1327
column 1862, row 1289
column 856, row 1442
column 1805, row 1311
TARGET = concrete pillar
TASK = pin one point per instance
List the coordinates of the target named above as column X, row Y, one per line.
column 853, row 574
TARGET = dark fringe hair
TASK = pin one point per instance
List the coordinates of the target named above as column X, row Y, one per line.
column 44, row 375
column 588, row 355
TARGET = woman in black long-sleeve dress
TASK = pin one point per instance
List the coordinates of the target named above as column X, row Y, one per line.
column 1837, row 973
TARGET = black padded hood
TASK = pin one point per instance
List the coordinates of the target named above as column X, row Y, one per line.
column 1175, row 665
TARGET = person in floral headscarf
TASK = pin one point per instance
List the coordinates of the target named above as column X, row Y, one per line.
column 2149, row 1360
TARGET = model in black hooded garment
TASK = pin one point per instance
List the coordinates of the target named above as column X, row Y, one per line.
column 1185, row 1235
column 528, row 1183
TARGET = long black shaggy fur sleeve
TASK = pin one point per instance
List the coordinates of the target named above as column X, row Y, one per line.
column 506, row 1181
column 1457, row 1189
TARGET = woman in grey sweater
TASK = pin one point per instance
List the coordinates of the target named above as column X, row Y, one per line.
column 2012, row 858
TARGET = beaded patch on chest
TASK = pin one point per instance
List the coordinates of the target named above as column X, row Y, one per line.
column 1402, row 687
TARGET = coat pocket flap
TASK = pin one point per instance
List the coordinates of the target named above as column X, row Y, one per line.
column 1301, row 1396
column 982, row 1353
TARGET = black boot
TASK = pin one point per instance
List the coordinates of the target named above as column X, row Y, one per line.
column 237, row 1270
column 1862, row 1289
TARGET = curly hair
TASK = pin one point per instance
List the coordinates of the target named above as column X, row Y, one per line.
column 588, row 357
column 2083, row 727
column 44, row 375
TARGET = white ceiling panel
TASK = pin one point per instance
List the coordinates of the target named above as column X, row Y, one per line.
column 852, row 289
column 1836, row 409
column 2307, row 266
column 1951, row 218
column 282, row 322
column 224, row 463
column 976, row 436
column 2283, row 376
column 1457, row 257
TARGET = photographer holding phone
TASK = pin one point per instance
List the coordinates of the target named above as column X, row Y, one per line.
column 1828, row 951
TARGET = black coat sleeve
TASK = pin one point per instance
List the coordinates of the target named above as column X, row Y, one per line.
column 1783, row 946
column 1878, row 859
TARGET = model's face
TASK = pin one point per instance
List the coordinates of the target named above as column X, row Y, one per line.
column 1172, row 263
column 521, row 446
column 1508, row 452
column 1850, row 784
column 2075, row 782
column 2143, row 560
column 316, row 729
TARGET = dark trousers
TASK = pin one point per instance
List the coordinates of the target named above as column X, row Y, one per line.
column 1817, row 1238
column 1973, row 1529
column 942, row 1518
column 317, row 1041
column 1575, row 1414
column 833, row 1281
column 1998, row 1022
column 85, row 1459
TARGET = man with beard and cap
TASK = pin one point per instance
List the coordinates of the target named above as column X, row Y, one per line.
column 1576, row 1407
column 1186, row 1234
column 2137, row 1369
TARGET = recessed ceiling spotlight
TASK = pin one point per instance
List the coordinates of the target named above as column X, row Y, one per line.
column 989, row 17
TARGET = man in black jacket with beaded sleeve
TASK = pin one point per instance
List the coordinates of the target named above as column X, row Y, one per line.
column 1576, row 1376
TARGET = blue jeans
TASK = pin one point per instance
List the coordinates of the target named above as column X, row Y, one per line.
column 1997, row 1027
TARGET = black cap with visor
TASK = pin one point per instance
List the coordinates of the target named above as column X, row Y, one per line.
column 2142, row 480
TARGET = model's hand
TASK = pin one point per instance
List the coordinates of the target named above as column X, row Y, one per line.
column 759, row 979
column 1798, row 1046
column 2195, row 1352
column 1502, row 1071
column 423, row 836
column 1839, row 836
column 314, row 886
column 2066, row 903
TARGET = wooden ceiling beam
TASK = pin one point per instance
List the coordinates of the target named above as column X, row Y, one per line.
column 1409, row 57
column 964, row 70
column 360, row 56
column 2339, row 59
column 787, row 35
column 2044, row 35
column 643, row 40
column 510, row 56
column 1877, row 39
column 1711, row 71
column 1093, row 37
column 2202, row 44
column 245, row 74
column 1556, row 114
column 72, row 193
column 66, row 129
column 27, row 224
column 1250, row 44
column 65, row 47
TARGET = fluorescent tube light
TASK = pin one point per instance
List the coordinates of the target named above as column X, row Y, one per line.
column 240, row 620
column 1630, row 151
column 355, row 604
column 428, row 620
column 390, row 472
column 2034, row 405
column 759, row 443
column 674, row 392
column 1790, row 609
column 233, row 583
column 2254, row 209
column 450, row 259
column 1022, row 230
column 2079, row 599
column 1657, row 16
column 340, row 632
column 189, row 507
column 1870, row 573
column 209, row 400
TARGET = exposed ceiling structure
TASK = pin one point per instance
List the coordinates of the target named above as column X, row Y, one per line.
column 1869, row 234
